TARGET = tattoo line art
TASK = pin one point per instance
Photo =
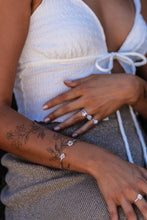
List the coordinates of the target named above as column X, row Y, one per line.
column 60, row 145
column 21, row 134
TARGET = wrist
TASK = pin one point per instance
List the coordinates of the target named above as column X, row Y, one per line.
column 135, row 89
column 82, row 157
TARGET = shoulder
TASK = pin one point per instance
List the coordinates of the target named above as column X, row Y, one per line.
column 144, row 9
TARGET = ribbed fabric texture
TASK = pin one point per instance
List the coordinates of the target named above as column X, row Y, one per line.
column 67, row 41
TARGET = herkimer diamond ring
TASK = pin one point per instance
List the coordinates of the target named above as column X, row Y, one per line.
column 139, row 197
column 95, row 121
column 84, row 113
column 89, row 117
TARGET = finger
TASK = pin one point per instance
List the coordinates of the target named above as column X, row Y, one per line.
column 142, row 206
column 128, row 210
column 74, row 83
column 88, row 125
column 64, row 97
column 112, row 208
column 142, row 185
column 144, row 172
column 64, row 109
column 70, row 121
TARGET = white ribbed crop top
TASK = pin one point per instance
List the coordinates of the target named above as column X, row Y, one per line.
column 66, row 41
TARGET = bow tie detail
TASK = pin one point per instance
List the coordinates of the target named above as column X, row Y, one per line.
column 124, row 57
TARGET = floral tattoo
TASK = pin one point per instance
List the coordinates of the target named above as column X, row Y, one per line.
column 21, row 134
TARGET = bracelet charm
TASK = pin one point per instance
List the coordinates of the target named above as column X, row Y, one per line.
column 62, row 156
column 70, row 143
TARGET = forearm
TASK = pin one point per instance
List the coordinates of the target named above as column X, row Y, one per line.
column 26, row 139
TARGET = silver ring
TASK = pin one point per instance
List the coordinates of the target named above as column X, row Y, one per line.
column 95, row 121
column 84, row 113
column 139, row 197
column 89, row 117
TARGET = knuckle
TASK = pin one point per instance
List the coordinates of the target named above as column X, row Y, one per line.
column 83, row 89
column 139, row 181
column 120, row 193
column 63, row 96
column 101, row 116
column 129, row 189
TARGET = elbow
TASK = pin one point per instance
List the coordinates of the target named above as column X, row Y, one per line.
column 8, row 103
column 5, row 104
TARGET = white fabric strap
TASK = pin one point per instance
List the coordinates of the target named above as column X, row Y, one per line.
column 140, row 135
column 125, row 57
column 138, row 6
column 124, row 136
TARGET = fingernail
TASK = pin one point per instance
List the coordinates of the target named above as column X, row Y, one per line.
column 74, row 135
column 46, row 120
column 57, row 128
column 68, row 81
column 45, row 107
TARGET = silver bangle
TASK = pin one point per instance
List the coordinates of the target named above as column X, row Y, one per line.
column 70, row 143
column 62, row 156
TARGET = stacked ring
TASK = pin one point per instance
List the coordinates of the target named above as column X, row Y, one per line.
column 89, row 117
column 139, row 197
column 84, row 113
column 95, row 121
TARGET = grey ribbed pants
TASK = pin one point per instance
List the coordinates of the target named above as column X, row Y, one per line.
column 35, row 192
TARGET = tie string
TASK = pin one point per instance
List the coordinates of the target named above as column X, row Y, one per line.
column 125, row 57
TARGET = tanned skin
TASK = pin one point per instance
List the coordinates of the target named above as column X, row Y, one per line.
column 35, row 143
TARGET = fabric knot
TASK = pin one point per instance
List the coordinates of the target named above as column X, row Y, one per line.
column 133, row 59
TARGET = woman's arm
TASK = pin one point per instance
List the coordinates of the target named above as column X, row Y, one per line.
column 100, row 95
column 30, row 141
column 18, row 134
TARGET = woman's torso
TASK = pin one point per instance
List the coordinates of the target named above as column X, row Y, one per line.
column 65, row 40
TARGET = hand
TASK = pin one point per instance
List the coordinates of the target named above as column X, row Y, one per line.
column 99, row 94
column 120, row 182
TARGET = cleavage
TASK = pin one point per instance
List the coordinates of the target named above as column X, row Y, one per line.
column 117, row 19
